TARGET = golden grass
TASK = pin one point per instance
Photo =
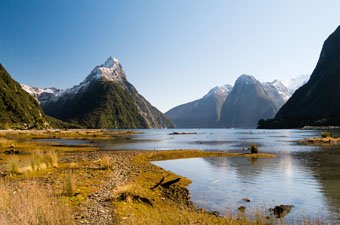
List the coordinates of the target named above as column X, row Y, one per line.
column 69, row 185
column 13, row 165
column 31, row 162
column 181, row 154
column 30, row 204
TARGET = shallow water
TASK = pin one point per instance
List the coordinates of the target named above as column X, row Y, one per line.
column 304, row 176
column 213, row 139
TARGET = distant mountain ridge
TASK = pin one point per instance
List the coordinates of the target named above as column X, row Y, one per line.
column 105, row 99
column 204, row 112
column 317, row 102
column 41, row 94
column 207, row 112
column 248, row 102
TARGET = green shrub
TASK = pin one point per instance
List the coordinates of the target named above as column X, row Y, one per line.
column 254, row 149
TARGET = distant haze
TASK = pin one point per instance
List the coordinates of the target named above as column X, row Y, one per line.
column 172, row 51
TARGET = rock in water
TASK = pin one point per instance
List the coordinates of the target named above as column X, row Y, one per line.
column 281, row 210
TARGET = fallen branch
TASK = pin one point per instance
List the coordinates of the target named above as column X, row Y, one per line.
column 167, row 184
column 159, row 183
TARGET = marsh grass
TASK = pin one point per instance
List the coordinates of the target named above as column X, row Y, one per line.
column 50, row 159
column 43, row 159
column 35, row 162
column 30, row 204
column 69, row 185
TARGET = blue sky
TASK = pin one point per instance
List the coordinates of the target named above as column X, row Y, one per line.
column 172, row 51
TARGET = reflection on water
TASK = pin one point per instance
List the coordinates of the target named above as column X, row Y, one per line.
column 305, row 176
column 220, row 184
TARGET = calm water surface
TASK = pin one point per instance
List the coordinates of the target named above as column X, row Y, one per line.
column 304, row 176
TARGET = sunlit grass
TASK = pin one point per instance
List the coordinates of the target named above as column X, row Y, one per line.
column 30, row 204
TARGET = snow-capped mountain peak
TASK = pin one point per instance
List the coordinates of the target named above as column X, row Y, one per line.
column 111, row 70
column 111, row 62
column 222, row 91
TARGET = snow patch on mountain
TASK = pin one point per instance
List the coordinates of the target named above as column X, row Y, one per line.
column 35, row 91
column 287, row 88
column 295, row 83
column 279, row 87
column 41, row 94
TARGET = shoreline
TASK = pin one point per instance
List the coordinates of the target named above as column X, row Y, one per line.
column 113, row 187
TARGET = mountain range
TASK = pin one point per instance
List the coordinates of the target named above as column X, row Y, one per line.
column 42, row 95
column 105, row 99
column 317, row 102
column 239, row 106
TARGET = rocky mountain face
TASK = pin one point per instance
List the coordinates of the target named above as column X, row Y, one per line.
column 18, row 109
column 105, row 99
column 317, row 102
column 247, row 103
column 277, row 92
column 201, row 113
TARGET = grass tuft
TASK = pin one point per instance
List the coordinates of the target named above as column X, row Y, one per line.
column 106, row 162
column 254, row 149
column 13, row 165
column 326, row 134
column 70, row 187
